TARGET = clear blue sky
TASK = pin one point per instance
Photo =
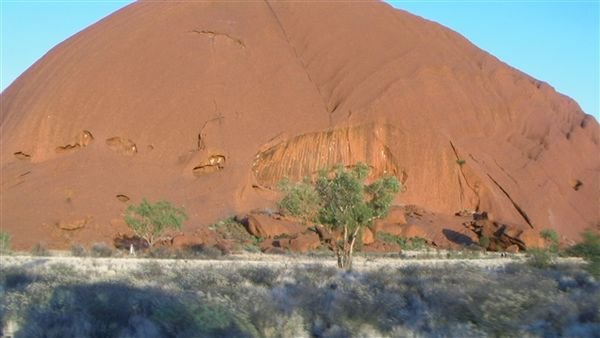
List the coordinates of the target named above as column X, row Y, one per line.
column 554, row 41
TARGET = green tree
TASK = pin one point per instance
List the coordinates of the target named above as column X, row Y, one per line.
column 348, row 204
column 341, row 201
column 300, row 200
column 150, row 221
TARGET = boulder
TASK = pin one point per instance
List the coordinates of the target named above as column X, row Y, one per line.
column 305, row 242
column 380, row 246
column 367, row 236
column 412, row 231
column 395, row 215
column 532, row 239
column 186, row 240
column 512, row 248
column 265, row 226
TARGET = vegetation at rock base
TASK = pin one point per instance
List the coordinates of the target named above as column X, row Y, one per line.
column 150, row 221
column 39, row 250
column 551, row 236
column 342, row 201
column 414, row 243
column 589, row 249
column 170, row 300
column 484, row 242
column 4, row 242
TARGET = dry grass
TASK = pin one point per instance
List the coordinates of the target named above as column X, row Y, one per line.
column 283, row 296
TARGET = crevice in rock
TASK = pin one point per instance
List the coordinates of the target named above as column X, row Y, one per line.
column 122, row 198
column 84, row 139
column 201, row 145
column 213, row 34
column 461, row 162
column 213, row 164
column 280, row 25
column 22, row 156
column 505, row 172
column 517, row 207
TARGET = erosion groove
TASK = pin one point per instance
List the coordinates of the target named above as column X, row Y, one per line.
column 304, row 155
column 298, row 57
column 460, row 168
column 213, row 34
column 517, row 207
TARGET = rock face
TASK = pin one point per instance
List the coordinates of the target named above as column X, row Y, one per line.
column 209, row 104
column 264, row 226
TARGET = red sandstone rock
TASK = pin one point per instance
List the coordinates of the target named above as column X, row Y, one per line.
column 367, row 236
column 265, row 226
column 412, row 231
column 532, row 239
column 379, row 246
column 305, row 242
column 396, row 215
column 512, row 248
column 459, row 128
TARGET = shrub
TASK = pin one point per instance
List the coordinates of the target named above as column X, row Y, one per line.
column 4, row 242
column 300, row 200
column 161, row 299
column 540, row 258
column 414, row 243
column 232, row 230
column 78, row 250
column 159, row 252
column 551, row 236
column 150, row 221
column 484, row 242
column 39, row 250
column 589, row 249
column 101, row 250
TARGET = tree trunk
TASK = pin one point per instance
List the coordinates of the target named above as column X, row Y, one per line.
column 345, row 251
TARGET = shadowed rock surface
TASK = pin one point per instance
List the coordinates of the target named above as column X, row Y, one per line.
column 213, row 103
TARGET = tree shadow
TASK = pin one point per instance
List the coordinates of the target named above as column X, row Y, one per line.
column 457, row 237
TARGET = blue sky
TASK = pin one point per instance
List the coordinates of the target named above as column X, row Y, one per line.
column 554, row 41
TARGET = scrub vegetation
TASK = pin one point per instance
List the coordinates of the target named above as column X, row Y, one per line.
column 164, row 299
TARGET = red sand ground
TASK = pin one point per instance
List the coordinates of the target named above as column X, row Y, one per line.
column 208, row 104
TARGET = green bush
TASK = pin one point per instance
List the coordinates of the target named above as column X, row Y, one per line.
column 540, row 258
column 414, row 243
column 300, row 200
column 589, row 249
column 232, row 230
column 484, row 242
column 551, row 236
column 78, row 250
column 150, row 221
column 101, row 250
column 39, row 250
column 4, row 242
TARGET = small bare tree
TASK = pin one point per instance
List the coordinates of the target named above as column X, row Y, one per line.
column 150, row 221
